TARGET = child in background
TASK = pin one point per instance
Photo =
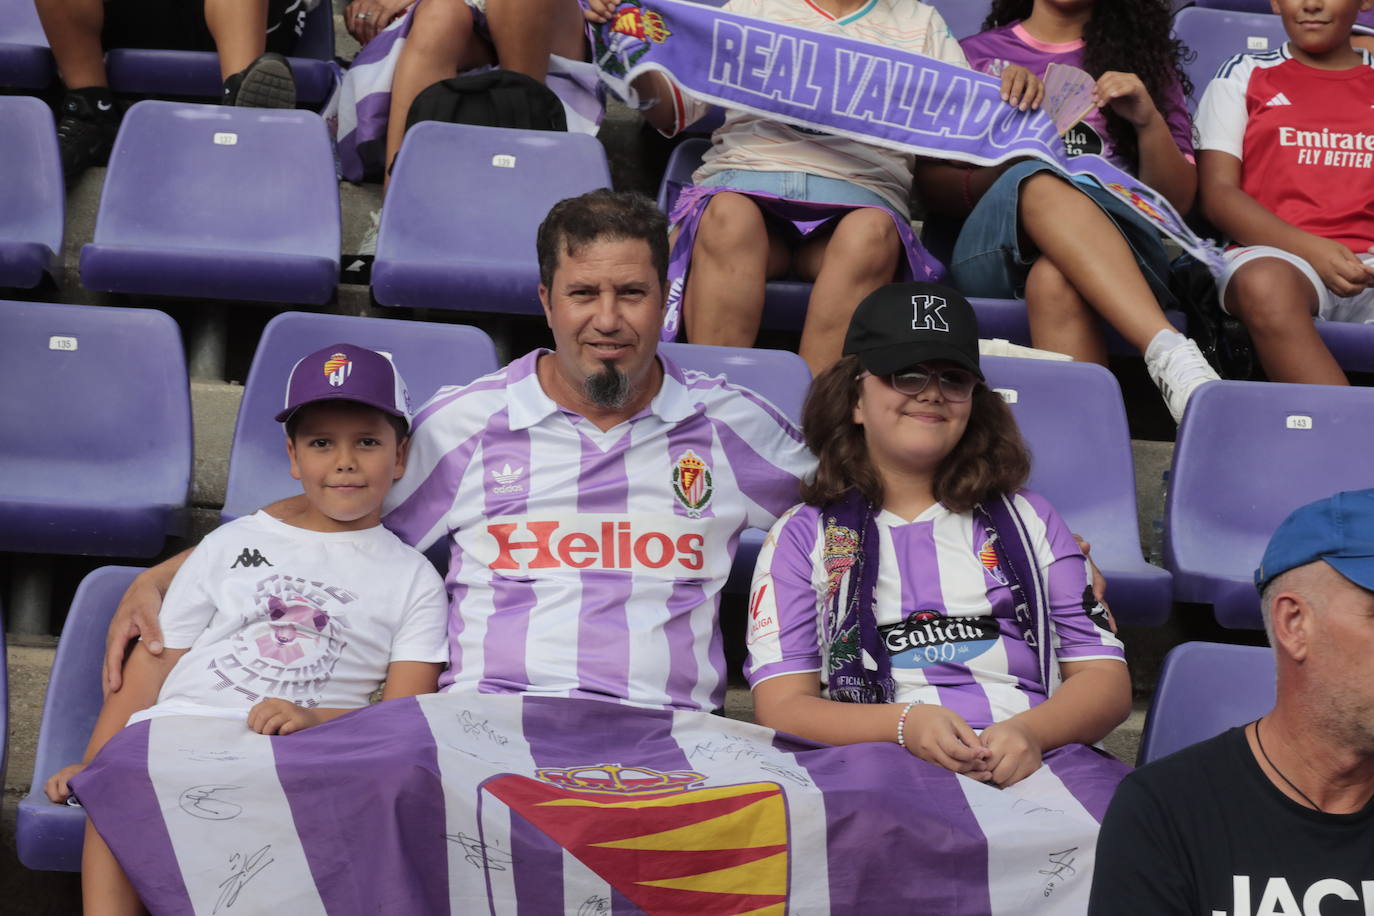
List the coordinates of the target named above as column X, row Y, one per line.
column 1029, row 232
column 1287, row 169
column 288, row 623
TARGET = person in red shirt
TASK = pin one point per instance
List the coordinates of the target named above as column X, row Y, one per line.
column 1286, row 164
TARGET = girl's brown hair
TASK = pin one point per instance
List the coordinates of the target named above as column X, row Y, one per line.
column 990, row 459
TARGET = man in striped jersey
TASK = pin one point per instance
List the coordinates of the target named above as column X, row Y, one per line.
column 593, row 494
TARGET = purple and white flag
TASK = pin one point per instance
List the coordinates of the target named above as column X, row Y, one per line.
column 448, row 804
column 857, row 89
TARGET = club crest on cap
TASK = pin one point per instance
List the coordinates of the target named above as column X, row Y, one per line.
column 337, row 369
column 928, row 313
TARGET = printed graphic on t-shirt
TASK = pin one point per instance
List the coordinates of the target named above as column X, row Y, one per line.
column 290, row 645
column 928, row 638
column 1082, row 139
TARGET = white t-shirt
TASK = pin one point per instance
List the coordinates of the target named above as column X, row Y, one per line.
column 271, row 610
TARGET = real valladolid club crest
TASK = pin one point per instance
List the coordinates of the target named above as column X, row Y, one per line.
column 632, row 30
column 337, row 369
column 841, row 546
column 692, row 483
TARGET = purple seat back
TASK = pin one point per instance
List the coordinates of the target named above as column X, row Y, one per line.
column 1218, row 35
column 428, row 355
column 31, row 208
column 1073, row 419
column 779, row 376
column 1351, row 344
column 25, row 61
column 1204, row 689
column 214, row 202
column 1238, row 6
column 461, row 213
column 1247, row 454
column 196, row 73
column 964, row 17
column 98, row 460
column 49, row 836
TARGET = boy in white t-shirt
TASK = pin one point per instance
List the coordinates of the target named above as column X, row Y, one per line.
column 287, row 623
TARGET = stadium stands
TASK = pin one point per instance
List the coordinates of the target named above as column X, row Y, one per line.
column 1204, row 689
column 428, row 355
column 1247, row 454
column 98, row 455
column 778, row 375
column 215, row 202
column 48, row 836
column 25, row 61
column 31, row 207
column 462, row 209
column 196, row 73
column 1074, row 421
column 1216, row 35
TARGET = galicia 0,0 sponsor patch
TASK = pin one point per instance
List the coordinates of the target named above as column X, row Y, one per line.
column 927, row 638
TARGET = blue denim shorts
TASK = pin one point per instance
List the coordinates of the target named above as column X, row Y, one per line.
column 987, row 260
column 798, row 186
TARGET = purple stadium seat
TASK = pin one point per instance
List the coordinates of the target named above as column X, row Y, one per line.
column 196, row 73
column 429, row 355
column 1247, row 454
column 213, row 202
column 1238, row 6
column 778, row 375
column 1073, row 419
column 1204, row 689
column 31, row 205
column 1217, row 35
column 964, row 17
column 1351, row 344
column 459, row 224
column 49, row 836
column 98, row 457
column 25, row 61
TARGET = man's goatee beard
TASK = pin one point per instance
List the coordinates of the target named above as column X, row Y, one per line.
column 609, row 388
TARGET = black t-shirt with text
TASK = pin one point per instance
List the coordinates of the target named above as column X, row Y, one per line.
column 1204, row 831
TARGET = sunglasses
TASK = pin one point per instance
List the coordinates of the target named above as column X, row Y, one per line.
column 955, row 384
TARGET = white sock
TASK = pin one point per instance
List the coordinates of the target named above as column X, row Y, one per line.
column 1163, row 342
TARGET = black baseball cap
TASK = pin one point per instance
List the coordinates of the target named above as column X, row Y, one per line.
column 902, row 324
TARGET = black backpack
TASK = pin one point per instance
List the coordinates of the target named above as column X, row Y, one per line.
column 492, row 98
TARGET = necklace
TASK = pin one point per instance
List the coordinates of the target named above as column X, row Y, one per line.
column 1265, row 754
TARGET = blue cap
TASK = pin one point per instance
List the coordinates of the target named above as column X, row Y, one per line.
column 1338, row 530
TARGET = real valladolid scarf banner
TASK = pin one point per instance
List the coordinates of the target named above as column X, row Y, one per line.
column 842, row 86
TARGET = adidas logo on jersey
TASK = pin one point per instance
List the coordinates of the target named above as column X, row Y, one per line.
column 1279, row 99
column 507, row 480
column 250, row 558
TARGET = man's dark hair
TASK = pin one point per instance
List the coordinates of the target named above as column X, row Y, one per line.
column 293, row 421
column 602, row 215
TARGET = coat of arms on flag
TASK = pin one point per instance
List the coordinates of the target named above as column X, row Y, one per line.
column 692, row 483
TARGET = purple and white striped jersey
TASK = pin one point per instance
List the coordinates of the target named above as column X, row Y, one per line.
column 944, row 609
column 589, row 563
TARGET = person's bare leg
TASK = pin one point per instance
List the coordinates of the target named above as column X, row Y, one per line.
column 859, row 256
column 1060, row 319
column 525, row 32
column 1087, row 248
column 440, row 44
column 1276, row 303
column 239, row 28
column 733, row 255
column 73, row 30
column 105, row 889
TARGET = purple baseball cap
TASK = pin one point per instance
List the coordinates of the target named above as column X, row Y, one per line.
column 345, row 372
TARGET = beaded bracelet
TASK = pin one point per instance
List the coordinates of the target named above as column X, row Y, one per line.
column 901, row 722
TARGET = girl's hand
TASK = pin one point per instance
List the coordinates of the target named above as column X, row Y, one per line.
column 1021, row 88
column 276, row 716
column 1126, row 95
column 941, row 736
column 365, row 18
column 599, row 11
column 57, row 788
column 1014, row 752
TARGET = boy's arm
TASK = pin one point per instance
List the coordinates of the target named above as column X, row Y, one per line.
column 276, row 716
column 1245, row 220
column 144, row 674
column 408, row 679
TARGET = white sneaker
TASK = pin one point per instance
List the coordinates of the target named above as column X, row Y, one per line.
column 357, row 268
column 368, row 246
column 1179, row 371
column 1000, row 346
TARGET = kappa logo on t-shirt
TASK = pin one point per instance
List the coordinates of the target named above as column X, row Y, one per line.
column 251, row 558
